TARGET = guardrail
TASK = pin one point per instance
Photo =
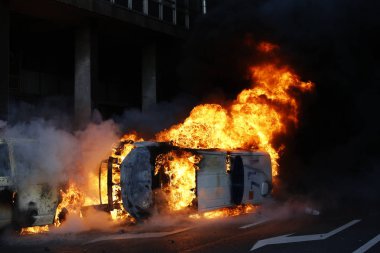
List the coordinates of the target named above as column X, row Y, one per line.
column 176, row 12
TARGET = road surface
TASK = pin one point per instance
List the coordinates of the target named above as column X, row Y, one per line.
column 279, row 230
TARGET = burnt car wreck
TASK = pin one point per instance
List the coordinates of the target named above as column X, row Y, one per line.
column 222, row 179
column 25, row 201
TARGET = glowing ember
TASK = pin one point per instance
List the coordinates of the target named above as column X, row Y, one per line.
column 34, row 230
column 225, row 212
column 120, row 215
column 250, row 122
column 180, row 168
column 266, row 47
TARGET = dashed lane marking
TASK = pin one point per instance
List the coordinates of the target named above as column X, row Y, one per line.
column 137, row 235
column 256, row 223
column 368, row 245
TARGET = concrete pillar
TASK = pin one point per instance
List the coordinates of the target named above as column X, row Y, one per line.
column 187, row 14
column 149, row 82
column 204, row 7
column 146, row 7
column 85, row 73
column 174, row 10
column 160, row 10
column 4, row 58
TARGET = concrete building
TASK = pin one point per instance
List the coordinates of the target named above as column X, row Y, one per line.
column 104, row 54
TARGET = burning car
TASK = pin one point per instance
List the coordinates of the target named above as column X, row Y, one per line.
column 161, row 174
column 136, row 179
column 24, row 202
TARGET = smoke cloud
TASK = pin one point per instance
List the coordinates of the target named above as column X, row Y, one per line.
column 95, row 142
column 158, row 117
column 93, row 220
column 45, row 153
column 48, row 149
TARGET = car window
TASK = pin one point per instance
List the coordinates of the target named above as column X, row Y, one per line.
column 23, row 155
column 4, row 161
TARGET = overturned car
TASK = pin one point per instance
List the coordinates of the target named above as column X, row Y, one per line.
column 221, row 178
column 154, row 176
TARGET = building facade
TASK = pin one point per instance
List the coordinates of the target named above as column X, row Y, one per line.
column 104, row 54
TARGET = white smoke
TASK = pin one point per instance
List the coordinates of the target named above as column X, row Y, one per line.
column 95, row 144
column 44, row 153
column 3, row 124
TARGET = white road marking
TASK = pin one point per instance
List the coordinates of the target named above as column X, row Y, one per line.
column 302, row 238
column 137, row 235
column 368, row 245
column 255, row 223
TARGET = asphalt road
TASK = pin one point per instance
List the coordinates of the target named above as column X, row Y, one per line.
column 277, row 230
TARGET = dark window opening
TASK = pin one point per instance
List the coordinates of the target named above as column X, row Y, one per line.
column 237, row 180
column 4, row 161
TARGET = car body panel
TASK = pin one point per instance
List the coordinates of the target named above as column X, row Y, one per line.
column 224, row 179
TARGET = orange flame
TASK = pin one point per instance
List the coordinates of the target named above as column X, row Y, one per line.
column 180, row 168
column 119, row 153
column 34, row 230
column 251, row 122
column 225, row 212
column 73, row 198
column 72, row 202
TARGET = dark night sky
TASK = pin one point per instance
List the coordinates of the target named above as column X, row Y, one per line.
column 333, row 43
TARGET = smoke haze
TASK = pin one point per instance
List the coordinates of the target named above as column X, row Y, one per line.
column 161, row 116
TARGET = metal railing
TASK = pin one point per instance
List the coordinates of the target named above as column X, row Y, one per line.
column 176, row 12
